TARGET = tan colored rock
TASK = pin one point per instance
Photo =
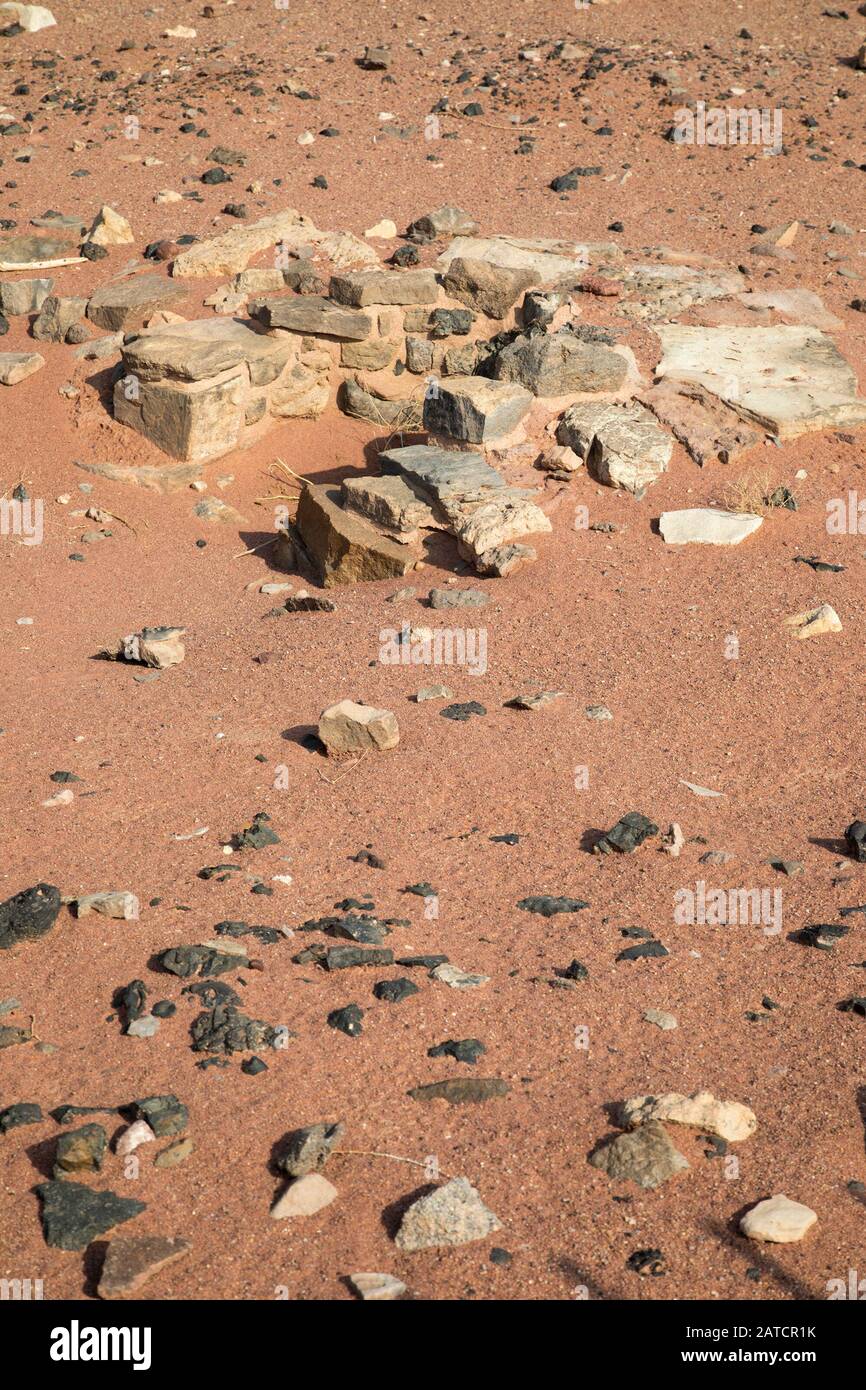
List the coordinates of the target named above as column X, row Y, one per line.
column 559, row 458
column 130, row 1261
column 303, row 389
column 365, row 287
column 814, row 622
column 371, row 356
column 623, row 445
column 127, row 304
column 231, row 252
column 489, row 289
column 377, row 1288
column 344, row 548
column 121, row 905
column 304, row 1197
column 17, row 366
column 23, row 296
column 56, row 316
column 646, row 1156
column 494, row 523
column 727, row 1118
column 110, row 229
column 452, row 1215
column 388, row 502
column 189, row 420
column 778, row 1219
column 351, row 728
column 313, row 315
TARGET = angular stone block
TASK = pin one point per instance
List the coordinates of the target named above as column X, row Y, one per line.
column 344, row 549
column 129, row 303
column 189, row 420
column 475, row 409
column 385, row 287
column 314, row 315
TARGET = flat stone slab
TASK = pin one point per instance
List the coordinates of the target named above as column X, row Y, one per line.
column 131, row 1260
column 385, row 287
column 706, row 526
column 548, row 260
column 790, row 379
column 559, row 364
column 646, row 1156
column 446, row 475
column 703, row 424
column 127, row 303
column 23, row 252
column 343, row 547
column 201, row 349
column 313, row 314
column 475, row 409
column 23, row 296
column 388, row 501
column 231, row 252
column 16, row 366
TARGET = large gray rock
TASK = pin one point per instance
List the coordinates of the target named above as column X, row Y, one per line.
column 444, row 221
column 475, row 409
column 385, row 287
column 452, row 1215
column 623, row 445
column 789, row 379
column 559, row 364
column 56, row 317
column 389, row 502
column 204, row 348
column 445, row 475
column 707, row 526
column 23, row 296
column 490, row 289
column 343, row 548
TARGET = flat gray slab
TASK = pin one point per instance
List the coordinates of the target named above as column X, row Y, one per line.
column 197, row 350
column 791, row 379
column 445, row 474
column 707, row 526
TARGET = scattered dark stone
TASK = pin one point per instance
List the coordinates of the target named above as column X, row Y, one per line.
column 421, row 962
column 855, row 1005
column 498, row 1256
column 822, row 935
column 647, row 1262
column 267, row 935
column 855, row 840
column 781, row 496
column 24, row 1113
column 63, row 776
column 80, row 1151
column 509, row 839
column 421, row 890
column 320, row 181
column 166, row 1115
column 73, row 1215
column 307, row 1150
column 216, row 175
column 466, row 1050
column 345, row 957
column 221, row 154
column 28, row 915
column 257, row 835
column 224, row 1029
column 447, row 322
column 347, row 1020
column 366, row 856
column 461, row 713
column 65, row 1114
column 200, row 960
column 252, row 1066
column 133, row 999
column 221, row 872
column 822, row 566
column 213, row 992
column 92, row 251
column 405, row 256
column 564, row 183
column 11, row 1035
column 462, row 1090
column 718, row 1147
column 575, row 971
column 549, row 907
column 629, row 832
column 375, row 59
column 164, row 1009
column 645, row 949
column 394, row 991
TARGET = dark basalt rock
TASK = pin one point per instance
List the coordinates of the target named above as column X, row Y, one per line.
column 421, row 962
column 549, row 907
column 466, row 1050
column 855, row 840
column 200, row 960
column 462, row 712
column 629, row 832
column 166, row 1115
column 267, row 935
column 24, row 1113
column 28, row 915
column 394, row 991
column 822, row 935
column 133, row 1000
column 74, row 1215
column 462, row 1090
column 645, row 949
column 344, row 957
column 258, row 834
column 212, row 992
column 224, row 1029
column 347, row 1020
column 307, row 1150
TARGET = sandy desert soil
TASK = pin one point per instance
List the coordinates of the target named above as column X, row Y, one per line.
column 614, row 618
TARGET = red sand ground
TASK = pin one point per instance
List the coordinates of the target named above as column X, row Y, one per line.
column 618, row 619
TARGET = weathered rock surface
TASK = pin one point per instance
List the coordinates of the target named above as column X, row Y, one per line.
column 128, row 304
column 344, row 548
column 17, row 366
column 351, row 728
column 23, row 296
column 559, row 364
column 778, row 1219
column 315, row 315
column 73, row 1215
column 57, row 315
column 28, row 915
column 475, row 409
column 646, row 1156
column 707, row 526
column 727, row 1118
column 385, row 287
column 130, row 1261
column 304, row 1197
column 452, row 1215
column 489, row 289
column 308, row 1150
column 622, row 444
column 377, row 1288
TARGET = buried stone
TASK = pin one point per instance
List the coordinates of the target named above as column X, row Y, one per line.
column 225, row 1029
column 550, row 907
column 462, row 1090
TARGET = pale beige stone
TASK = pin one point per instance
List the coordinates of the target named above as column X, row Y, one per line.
column 815, row 622
column 727, row 1118
column 778, row 1219
column 304, row 1197
column 351, row 728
